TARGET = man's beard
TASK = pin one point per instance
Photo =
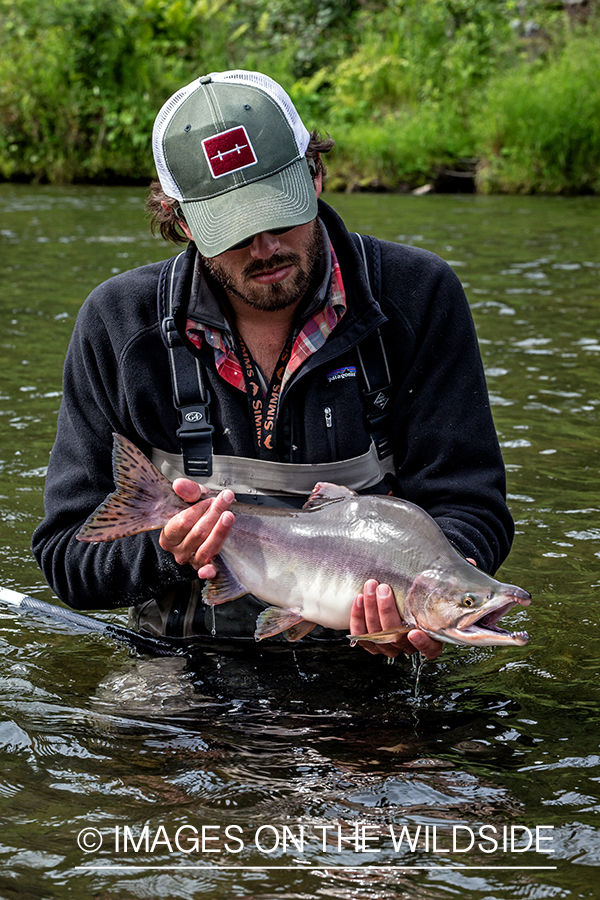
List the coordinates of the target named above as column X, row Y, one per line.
column 271, row 297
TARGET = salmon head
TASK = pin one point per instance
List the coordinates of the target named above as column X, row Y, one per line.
column 463, row 606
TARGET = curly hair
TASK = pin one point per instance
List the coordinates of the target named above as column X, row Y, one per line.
column 167, row 218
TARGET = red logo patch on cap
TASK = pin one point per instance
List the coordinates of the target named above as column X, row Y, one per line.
column 229, row 151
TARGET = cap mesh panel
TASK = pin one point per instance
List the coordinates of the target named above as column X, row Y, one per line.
column 167, row 181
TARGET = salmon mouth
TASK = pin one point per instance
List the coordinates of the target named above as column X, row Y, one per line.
column 478, row 627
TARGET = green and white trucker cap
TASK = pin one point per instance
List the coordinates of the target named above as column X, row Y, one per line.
column 230, row 148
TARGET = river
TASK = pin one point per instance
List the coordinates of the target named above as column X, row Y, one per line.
column 282, row 774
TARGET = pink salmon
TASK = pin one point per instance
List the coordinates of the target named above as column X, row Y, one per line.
column 310, row 563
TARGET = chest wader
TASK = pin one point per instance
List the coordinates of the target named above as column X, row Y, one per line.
column 181, row 612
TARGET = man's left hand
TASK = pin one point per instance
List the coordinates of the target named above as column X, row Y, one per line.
column 375, row 610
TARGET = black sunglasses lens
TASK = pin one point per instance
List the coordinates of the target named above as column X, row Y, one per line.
column 247, row 241
column 242, row 244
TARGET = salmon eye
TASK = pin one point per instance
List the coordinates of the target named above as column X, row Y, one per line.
column 469, row 600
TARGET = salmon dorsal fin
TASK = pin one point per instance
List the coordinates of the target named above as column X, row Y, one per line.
column 323, row 493
column 143, row 501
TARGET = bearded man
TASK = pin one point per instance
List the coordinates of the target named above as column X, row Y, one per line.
column 277, row 351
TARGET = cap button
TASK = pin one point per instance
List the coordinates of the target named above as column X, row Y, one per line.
column 205, row 79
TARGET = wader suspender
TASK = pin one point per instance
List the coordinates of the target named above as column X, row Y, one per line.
column 195, row 430
column 190, row 396
column 372, row 356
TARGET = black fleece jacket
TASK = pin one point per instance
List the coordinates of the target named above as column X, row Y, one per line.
column 117, row 379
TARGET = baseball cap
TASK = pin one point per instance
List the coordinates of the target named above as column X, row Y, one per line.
column 230, row 147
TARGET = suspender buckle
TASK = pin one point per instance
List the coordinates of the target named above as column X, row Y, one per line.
column 195, row 435
column 170, row 333
column 377, row 413
column 383, row 445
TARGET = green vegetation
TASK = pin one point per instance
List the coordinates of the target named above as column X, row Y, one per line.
column 541, row 127
column 409, row 88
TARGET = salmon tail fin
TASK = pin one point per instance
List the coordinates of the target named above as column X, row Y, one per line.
column 143, row 501
column 380, row 637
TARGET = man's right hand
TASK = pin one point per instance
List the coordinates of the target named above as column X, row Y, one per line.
column 197, row 534
column 375, row 610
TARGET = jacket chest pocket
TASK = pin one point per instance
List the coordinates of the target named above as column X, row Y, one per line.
column 342, row 419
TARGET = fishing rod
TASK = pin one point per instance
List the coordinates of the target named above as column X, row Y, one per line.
column 145, row 643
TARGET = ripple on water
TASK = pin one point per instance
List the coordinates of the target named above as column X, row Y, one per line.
column 86, row 731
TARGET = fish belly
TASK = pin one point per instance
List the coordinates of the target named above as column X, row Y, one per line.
column 318, row 595
column 313, row 573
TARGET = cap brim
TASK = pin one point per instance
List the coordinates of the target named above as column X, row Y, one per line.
column 283, row 200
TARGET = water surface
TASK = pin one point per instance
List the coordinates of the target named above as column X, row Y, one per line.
column 251, row 743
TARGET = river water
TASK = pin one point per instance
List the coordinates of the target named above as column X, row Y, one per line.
column 270, row 773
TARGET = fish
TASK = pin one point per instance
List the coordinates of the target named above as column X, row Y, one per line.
column 309, row 564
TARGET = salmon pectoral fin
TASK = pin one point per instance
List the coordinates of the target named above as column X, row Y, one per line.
column 273, row 621
column 223, row 587
column 380, row 637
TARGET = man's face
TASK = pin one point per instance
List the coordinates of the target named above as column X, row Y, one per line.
column 272, row 273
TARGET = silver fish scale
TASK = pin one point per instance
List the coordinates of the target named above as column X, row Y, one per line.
column 315, row 561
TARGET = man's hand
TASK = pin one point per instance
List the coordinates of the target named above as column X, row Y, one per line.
column 375, row 610
column 197, row 534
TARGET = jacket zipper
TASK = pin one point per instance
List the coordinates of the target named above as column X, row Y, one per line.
column 330, row 431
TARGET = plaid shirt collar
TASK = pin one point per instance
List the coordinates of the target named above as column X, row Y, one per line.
column 319, row 321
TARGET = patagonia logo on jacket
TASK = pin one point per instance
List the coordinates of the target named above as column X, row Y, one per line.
column 341, row 374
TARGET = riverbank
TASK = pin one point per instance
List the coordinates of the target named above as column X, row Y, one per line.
column 444, row 95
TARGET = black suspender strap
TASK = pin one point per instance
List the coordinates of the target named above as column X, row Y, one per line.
column 190, row 395
column 374, row 367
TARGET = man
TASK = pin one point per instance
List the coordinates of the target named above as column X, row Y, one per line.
column 316, row 356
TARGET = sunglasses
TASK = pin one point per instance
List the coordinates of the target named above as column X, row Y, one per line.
column 247, row 241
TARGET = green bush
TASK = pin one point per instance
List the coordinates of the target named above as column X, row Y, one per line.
column 399, row 106
column 539, row 128
column 407, row 87
column 417, row 51
column 398, row 152
column 81, row 80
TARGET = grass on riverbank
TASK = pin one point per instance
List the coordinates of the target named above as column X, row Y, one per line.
column 538, row 130
column 407, row 88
